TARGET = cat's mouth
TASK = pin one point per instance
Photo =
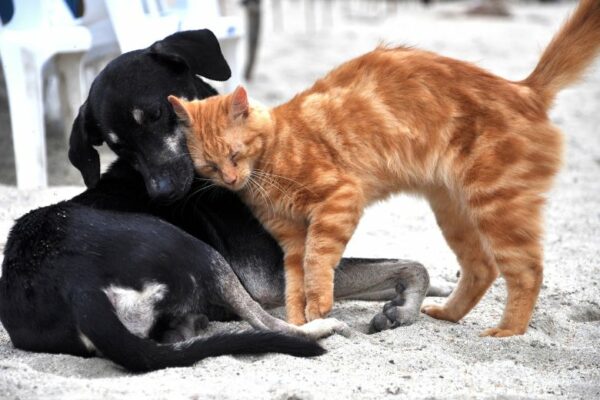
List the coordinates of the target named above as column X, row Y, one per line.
column 236, row 186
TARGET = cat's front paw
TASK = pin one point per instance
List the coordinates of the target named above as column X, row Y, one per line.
column 297, row 319
column 318, row 306
column 295, row 314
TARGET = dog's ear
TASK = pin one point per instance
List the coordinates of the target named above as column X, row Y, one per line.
column 199, row 50
column 85, row 134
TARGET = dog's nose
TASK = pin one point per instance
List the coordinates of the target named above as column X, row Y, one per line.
column 161, row 188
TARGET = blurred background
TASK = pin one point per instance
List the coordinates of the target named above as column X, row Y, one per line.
column 52, row 49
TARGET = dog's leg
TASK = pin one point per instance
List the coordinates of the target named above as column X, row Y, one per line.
column 404, row 283
column 361, row 279
column 233, row 294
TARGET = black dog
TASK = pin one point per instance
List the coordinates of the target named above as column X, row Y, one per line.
column 134, row 266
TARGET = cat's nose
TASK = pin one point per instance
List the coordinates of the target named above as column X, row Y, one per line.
column 230, row 180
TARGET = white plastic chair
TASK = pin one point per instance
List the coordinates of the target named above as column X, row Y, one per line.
column 139, row 23
column 39, row 31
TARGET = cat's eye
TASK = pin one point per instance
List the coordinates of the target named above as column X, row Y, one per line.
column 234, row 158
column 209, row 168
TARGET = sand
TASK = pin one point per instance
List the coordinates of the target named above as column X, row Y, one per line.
column 558, row 357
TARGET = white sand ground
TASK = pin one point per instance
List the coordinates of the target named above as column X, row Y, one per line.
column 558, row 357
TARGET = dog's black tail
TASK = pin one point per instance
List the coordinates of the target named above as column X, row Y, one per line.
column 98, row 322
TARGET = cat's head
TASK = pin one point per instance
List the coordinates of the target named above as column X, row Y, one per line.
column 224, row 136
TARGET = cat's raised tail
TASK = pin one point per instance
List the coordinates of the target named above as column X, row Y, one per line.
column 569, row 53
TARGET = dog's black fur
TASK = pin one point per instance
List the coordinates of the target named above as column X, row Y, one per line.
column 147, row 227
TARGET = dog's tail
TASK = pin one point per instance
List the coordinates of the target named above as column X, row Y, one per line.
column 100, row 325
column 569, row 53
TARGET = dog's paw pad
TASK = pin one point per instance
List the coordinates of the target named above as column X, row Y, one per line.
column 380, row 323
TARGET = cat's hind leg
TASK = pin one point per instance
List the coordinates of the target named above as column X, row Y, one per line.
column 478, row 266
column 514, row 234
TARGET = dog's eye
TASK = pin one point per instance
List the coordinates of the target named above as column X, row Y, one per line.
column 154, row 115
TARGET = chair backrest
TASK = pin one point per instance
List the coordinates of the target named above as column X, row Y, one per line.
column 138, row 23
column 30, row 14
column 204, row 10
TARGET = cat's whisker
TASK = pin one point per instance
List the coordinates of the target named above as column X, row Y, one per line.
column 263, row 193
column 301, row 185
column 273, row 183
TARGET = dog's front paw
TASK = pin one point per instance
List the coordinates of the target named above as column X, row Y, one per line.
column 322, row 328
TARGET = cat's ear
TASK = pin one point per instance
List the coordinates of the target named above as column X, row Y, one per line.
column 239, row 103
column 180, row 108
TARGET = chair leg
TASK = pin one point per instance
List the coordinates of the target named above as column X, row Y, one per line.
column 69, row 67
column 23, row 74
column 253, row 19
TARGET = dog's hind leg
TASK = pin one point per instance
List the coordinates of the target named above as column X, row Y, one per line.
column 227, row 286
column 403, row 283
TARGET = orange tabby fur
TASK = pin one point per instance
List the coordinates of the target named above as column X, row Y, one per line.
column 480, row 148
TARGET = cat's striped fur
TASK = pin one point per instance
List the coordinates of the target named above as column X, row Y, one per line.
column 480, row 148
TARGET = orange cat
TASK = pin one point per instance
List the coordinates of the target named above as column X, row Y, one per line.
column 480, row 148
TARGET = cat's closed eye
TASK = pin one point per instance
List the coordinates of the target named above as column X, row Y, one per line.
column 234, row 157
column 209, row 168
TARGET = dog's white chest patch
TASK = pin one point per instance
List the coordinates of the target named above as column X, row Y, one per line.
column 135, row 308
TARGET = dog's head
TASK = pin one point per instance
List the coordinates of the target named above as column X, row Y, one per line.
column 127, row 108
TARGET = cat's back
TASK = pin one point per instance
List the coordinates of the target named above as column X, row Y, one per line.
column 385, row 64
column 396, row 71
